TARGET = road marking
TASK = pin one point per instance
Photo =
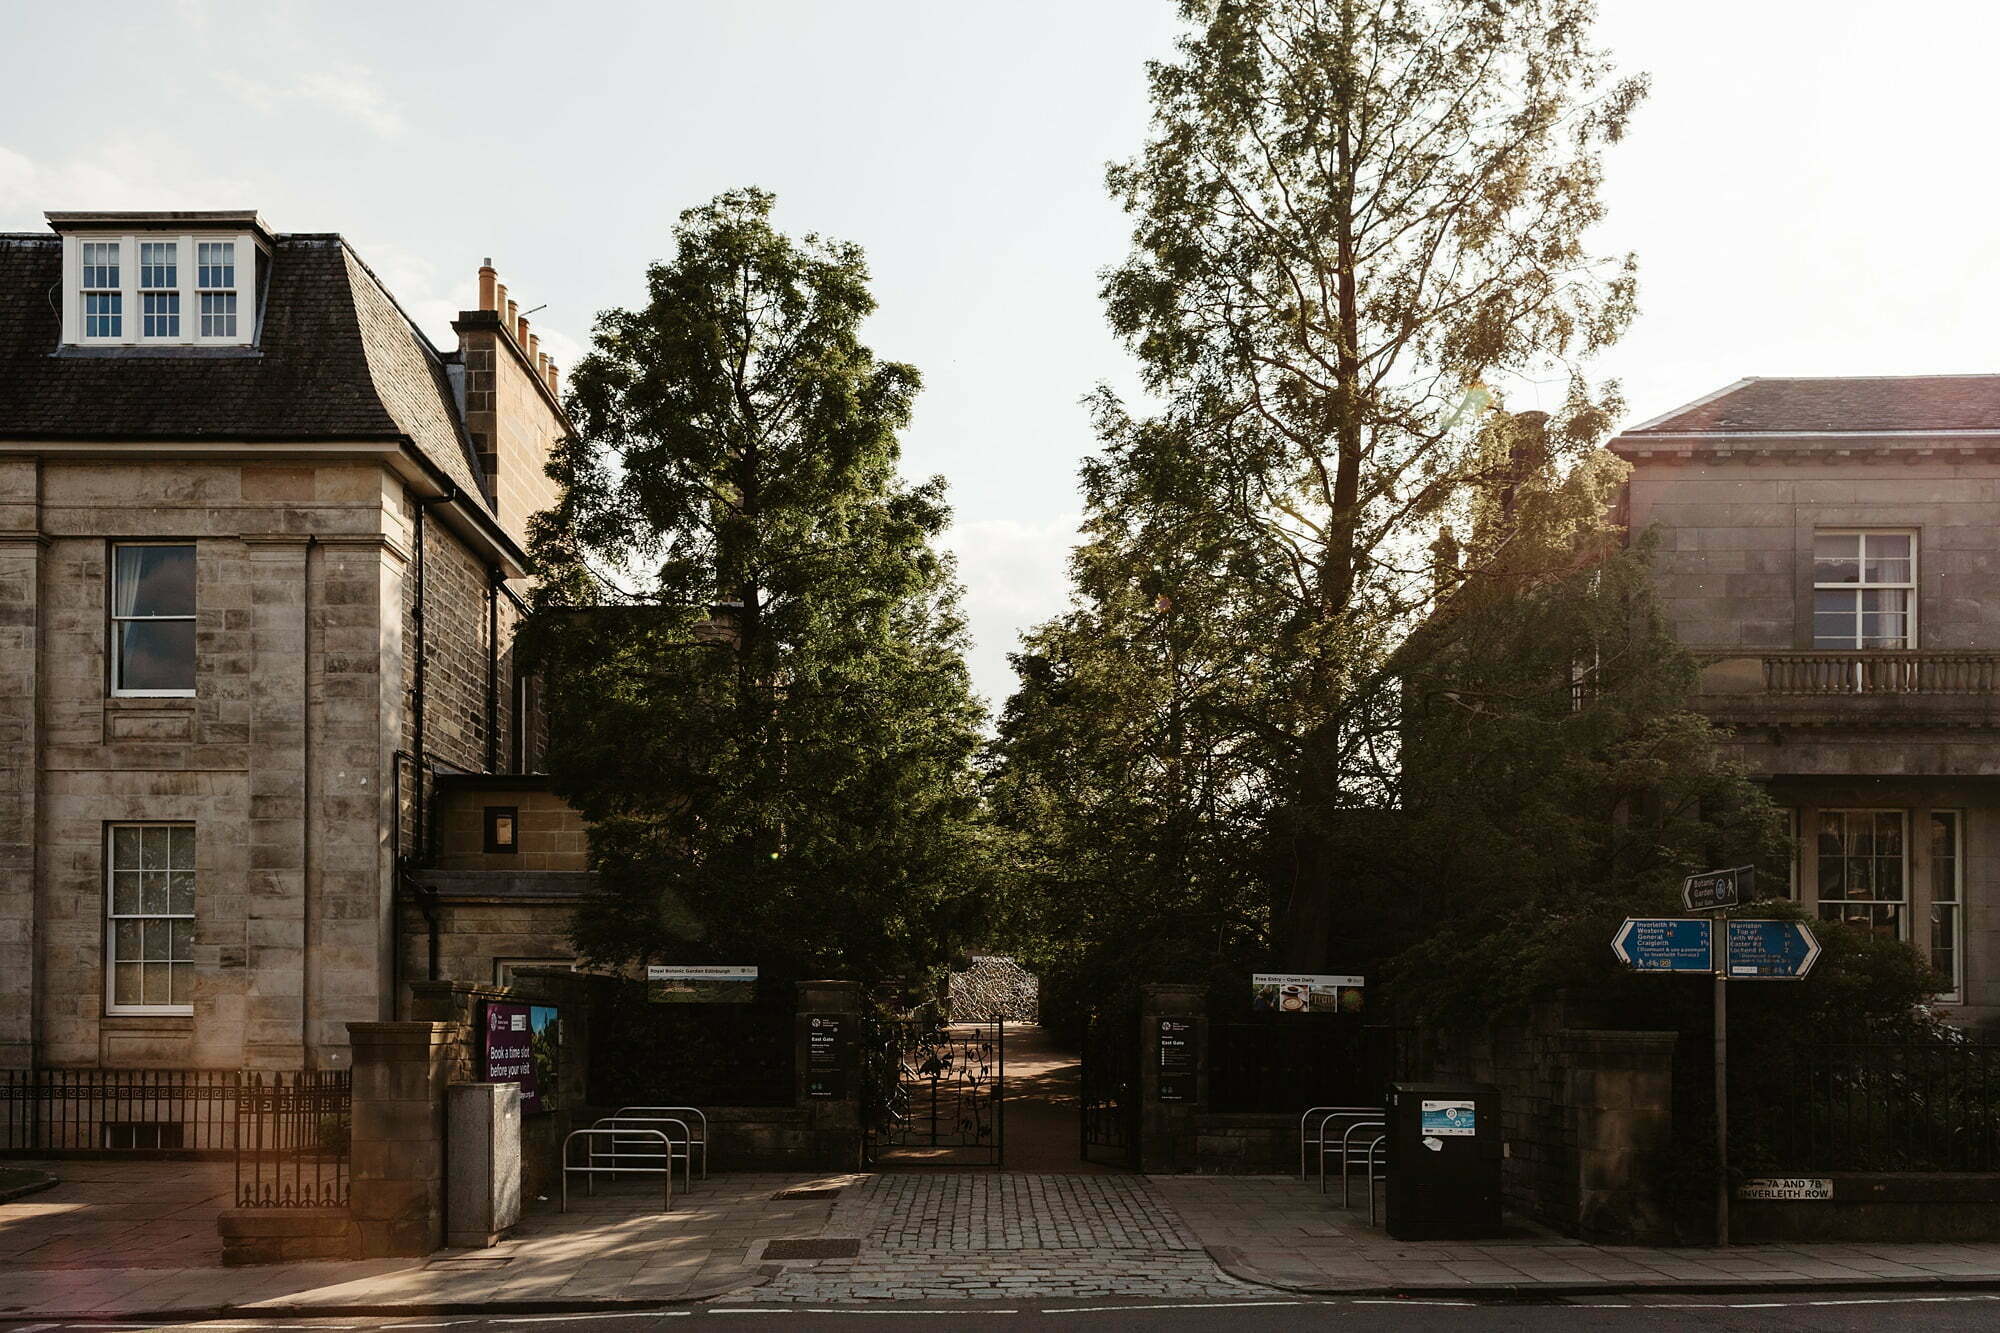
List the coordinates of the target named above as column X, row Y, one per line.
column 1364, row 1301
column 577, row 1318
column 1204, row 1305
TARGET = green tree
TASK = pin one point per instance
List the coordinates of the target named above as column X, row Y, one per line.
column 1352, row 220
column 751, row 642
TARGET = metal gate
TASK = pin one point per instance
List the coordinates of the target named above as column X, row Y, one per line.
column 1108, row 1093
column 934, row 1093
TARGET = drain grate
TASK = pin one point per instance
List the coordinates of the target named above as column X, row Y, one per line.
column 499, row 1262
column 827, row 1192
column 812, row 1249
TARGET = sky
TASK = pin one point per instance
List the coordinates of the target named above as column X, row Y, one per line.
column 1809, row 189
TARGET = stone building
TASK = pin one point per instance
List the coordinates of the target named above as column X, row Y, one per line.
column 1828, row 548
column 261, row 548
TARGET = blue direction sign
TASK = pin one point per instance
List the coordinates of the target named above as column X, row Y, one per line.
column 1665, row 944
column 1770, row 950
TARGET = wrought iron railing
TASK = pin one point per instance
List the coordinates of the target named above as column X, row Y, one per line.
column 1874, row 1107
column 1881, row 672
column 121, row 1111
column 1291, row 1061
column 292, row 1136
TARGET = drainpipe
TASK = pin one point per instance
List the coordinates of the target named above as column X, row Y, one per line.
column 427, row 898
column 493, row 671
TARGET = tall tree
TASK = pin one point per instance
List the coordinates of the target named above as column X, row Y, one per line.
column 752, row 643
column 1355, row 224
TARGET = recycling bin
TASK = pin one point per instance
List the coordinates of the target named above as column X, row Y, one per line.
column 1444, row 1161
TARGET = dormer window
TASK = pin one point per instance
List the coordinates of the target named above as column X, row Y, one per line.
column 185, row 279
column 103, row 298
column 217, row 282
column 159, row 289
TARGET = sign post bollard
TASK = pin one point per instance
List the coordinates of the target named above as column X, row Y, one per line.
column 1744, row 950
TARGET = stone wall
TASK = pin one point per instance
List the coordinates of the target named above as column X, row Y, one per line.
column 1588, row 1118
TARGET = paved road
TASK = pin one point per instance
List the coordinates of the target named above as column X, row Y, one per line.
column 1775, row 1310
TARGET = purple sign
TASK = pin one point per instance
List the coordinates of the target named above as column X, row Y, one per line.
column 521, row 1043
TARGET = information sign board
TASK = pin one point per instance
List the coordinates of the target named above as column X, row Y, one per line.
column 718, row 983
column 1305, row 992
column 522, row 1044
column 826, row 1056
column 1177, row 1060
column 1716, row 889
column 1665, row 944
column 1787, row 1188
column 1449, row 1119
column 1770, row 950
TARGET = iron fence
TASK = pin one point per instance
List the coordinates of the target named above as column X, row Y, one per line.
column 1108, row 1091
column 162, row 1112
column 1292, row 1061
column 292, row 1136
column 1869, row 1107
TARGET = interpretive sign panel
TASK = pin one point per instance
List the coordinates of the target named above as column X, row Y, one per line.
column 1305, row 992
column 1787, row 1188
column 826, row 1056
column 1665, row 944
column 724, row 983
column 1177, row 1060
column 522, row 1044
column 1771, row 950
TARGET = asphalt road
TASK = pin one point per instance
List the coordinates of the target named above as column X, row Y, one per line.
column 1775, row 1310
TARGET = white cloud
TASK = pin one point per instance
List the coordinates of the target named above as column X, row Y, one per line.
column 348, row 90
column 1016, row 573
column 143, row 171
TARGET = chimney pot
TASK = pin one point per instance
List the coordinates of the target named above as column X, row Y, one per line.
column 521, row 331
column 534, row 348
column 499, row 297
column 555, row 379
column 488, row 280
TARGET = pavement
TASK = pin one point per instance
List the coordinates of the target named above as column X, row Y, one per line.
column 127, row 1239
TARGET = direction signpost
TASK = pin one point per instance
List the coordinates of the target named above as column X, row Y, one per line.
column 1750, row 951
column 1714, row 889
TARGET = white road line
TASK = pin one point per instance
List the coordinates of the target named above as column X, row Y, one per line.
column 578, row 1318
column 1457, row 1304
column 1205, row 1305
column 852, row 1310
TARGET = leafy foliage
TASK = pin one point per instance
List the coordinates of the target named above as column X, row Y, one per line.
column 772, row 731
column 1351, row 219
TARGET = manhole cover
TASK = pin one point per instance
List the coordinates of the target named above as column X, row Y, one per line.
column 471, row 1263
column 831, row 1191
column 812, row 1249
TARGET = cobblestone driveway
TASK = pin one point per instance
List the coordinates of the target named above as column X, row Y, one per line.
column 996, row 1236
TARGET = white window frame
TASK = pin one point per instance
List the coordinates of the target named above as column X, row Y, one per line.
column 1910, row 639
column 115, row 648
column 1956, row 905
column 112, row 917
column 83, row 293
column 234, row 290
column 146, row 290
column 1902, row 904
column 249, row 255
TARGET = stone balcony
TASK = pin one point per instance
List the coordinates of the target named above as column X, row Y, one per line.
column 1872, row 689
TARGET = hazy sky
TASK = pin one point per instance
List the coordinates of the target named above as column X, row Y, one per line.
column 1810, row 188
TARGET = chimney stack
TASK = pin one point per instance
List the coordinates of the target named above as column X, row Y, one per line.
column 488, row 280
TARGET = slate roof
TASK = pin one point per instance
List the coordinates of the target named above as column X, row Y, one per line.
column 337, row 360
column 1860, row 405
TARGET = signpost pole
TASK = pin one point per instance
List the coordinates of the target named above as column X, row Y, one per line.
column 1721, row 950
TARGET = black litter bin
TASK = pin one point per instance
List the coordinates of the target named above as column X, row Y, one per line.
column 1444, row 1161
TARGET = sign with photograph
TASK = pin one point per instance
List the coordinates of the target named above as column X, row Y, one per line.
column 522, row 1044
column 723, row 983
column 1305, row 993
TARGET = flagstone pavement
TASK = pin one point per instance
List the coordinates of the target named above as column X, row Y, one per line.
column 936, row 1235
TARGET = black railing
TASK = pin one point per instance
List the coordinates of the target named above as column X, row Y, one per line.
column 1292, row 1061
column 292, row 1133
column 1906, row 1107
column 159, row 1112
column 1108, row 1091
